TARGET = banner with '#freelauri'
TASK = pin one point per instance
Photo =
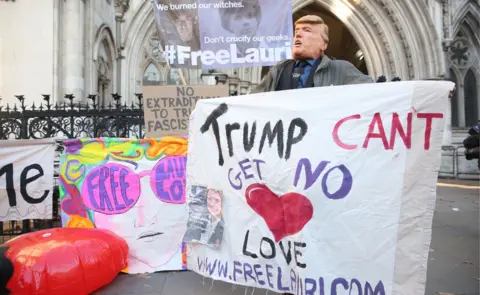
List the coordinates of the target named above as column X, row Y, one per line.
column 133, row 187
column 325, row 190
column 26, row 179
column 224, row 33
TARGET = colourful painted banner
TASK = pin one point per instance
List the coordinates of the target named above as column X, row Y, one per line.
column 133, row 187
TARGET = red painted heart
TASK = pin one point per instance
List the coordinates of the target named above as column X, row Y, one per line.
column 285, row 215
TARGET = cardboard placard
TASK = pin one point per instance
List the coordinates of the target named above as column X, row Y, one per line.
column 168, row 108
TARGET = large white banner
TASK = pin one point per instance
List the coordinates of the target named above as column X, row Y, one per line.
column 325, row 190
column 26, row 179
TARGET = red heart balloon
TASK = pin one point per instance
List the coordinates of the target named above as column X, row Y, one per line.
column 60, row 261
column 285, row 215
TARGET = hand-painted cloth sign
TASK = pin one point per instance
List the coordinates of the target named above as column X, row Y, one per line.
column 205, row 223
column 224, row 33
column 26, row 179
column 168, row 108
column 133, row 187
column 325, row 190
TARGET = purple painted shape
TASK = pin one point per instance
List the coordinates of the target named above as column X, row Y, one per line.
column 168, row 179
column 111, row 189
column 310, row 177
column 345, row 187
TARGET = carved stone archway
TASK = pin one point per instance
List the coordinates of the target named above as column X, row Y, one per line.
column 396, row 37
column 103, row 66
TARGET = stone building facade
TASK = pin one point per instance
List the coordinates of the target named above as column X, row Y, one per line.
column 110, row 46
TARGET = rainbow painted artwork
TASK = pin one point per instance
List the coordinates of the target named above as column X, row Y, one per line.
column 133, row 187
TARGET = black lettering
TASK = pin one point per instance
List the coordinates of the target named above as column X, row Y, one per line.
column 249, row 142
column 272, row 246
column 180, row 91
column 212, row 120
column 228, row 129
column 185, row 124
column 288, row 254
column 291, row 140
column 190, row 91
column 178, row 102
column 24, row 181
column 271, row 134
column 12, row 196
column 166, row 125
column 298, row 253
column 245, row 243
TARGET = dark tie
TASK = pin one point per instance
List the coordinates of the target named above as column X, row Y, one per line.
column 297, row 74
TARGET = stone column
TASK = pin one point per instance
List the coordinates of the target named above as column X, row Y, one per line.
column 121, row 6
column 89, row 39
column 447, row 132
column 233, row 85
column 221, row 79
column 243, row 87
column 214, row 78
column 461, row 104
column 478, row 100
column 73, row 80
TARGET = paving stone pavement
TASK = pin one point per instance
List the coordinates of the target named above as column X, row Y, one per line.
column 453, row 261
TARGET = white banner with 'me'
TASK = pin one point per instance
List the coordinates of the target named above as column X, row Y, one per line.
column 26, row 179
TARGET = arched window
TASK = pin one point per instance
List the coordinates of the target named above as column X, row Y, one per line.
column 471, row 103
column 104, row 66
column 161, row 75
column 152, row 76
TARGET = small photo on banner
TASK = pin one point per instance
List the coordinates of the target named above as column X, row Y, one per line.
column 133, row 187
column 224, row 33
column 168, row 108
column 177, row 25
column 205, row 222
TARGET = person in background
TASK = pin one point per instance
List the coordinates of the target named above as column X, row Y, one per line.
column 310, row 67
column 472, row 144
column 178, row 27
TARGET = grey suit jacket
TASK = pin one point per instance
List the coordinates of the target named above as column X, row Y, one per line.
column 329, row 72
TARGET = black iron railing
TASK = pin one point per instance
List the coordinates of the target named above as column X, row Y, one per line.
column 66, row 120
column 71, row 119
